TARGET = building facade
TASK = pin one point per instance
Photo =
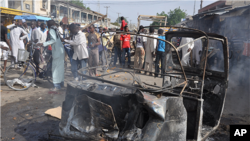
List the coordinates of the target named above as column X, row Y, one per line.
column 220, row 4
column 70, row 13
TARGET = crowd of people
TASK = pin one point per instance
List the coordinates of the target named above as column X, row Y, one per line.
column 84, row 48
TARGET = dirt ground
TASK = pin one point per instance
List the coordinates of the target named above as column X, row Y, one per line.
column 23, row 118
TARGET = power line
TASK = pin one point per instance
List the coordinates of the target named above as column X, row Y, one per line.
column 128, row 3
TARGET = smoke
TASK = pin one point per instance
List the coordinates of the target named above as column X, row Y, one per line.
column 237, row 31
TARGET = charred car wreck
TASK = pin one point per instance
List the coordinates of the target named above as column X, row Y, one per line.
column 188, row 106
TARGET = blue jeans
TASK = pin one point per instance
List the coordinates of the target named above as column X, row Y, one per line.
column 74, row 66
column 117, row 54
column 69, row 52
column 124, row 51
column 59, row 85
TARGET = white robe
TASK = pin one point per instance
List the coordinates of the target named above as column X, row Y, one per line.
column 185, row 53
column 57, row 57
column 149, row 48
column 15, row 41
column 196, row 50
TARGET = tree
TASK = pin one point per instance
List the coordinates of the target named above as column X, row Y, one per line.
column 79, row 3
column 118, row 20
column 116, row 24
column 173, row 16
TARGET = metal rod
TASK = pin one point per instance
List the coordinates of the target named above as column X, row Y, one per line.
column 190, row 42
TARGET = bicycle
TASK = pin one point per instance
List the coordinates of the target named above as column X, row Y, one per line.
column 24, row 76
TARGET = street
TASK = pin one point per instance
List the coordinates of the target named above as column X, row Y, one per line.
column 23, row 118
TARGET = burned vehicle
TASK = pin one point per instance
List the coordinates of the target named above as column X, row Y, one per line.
column 188, row 105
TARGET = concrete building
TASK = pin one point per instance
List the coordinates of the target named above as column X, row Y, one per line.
column 33, row 6
column 223, row 4
column 77, row 14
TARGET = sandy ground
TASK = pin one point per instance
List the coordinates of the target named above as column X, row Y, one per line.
column 23, row 118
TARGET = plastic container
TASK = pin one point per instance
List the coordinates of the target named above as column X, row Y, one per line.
column 22, row 55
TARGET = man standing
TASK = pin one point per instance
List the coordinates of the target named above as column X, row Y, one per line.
column 36, row 37
column 61, row 29
column 4, row 44
column 16, row 41
column 123, row 23
column 93, row 43
column 25, row 27
column 38, row 25
column 139, row 52
column 80, row 55
column 186, row 50
column 57, row 55
column 149, row 49
column 160, row 53
column 117, row 48
column 196, row 54
column 125, row 46
column 105, row 41
column 43, row 39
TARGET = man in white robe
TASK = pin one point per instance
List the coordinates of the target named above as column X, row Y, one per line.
column 57, row 55
column 149, row 49
column 16, row 41
column 186, row 50
column 196, row 55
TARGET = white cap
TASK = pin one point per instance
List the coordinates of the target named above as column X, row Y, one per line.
column 23, row 20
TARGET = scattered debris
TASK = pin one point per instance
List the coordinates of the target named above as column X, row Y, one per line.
column 13, row 138
column 55, row 112
column 110, row 76
column 116, row 76
column 39, row 98
column 14, row 118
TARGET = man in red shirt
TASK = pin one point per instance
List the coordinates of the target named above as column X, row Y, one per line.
column 125, row 46
column 123, row 23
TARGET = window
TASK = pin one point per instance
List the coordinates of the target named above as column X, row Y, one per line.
column 44, row 4
column 12, row 4
column 27, row 6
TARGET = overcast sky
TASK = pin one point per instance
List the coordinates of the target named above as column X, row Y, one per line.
column 133, row 8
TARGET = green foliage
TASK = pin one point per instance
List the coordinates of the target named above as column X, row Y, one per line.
column 118, row 20
column 173, row 16
column 79, row 3
column 115, row 23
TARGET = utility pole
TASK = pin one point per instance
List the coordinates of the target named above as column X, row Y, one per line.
column 107, row 13
column 98, row 6
column 68, row 10
column 118, row 18
column 194, row 6
column 130, row 25
column 201, row 4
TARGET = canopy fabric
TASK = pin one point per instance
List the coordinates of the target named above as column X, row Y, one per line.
column 31, row 17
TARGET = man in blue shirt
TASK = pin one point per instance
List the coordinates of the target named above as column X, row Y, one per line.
column 160, row 53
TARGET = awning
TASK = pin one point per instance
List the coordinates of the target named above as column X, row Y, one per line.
column 10, row 11
column 32, row 17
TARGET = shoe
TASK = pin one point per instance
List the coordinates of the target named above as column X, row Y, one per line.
column 129, row 66
column 145, row 73
column 150, row 74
